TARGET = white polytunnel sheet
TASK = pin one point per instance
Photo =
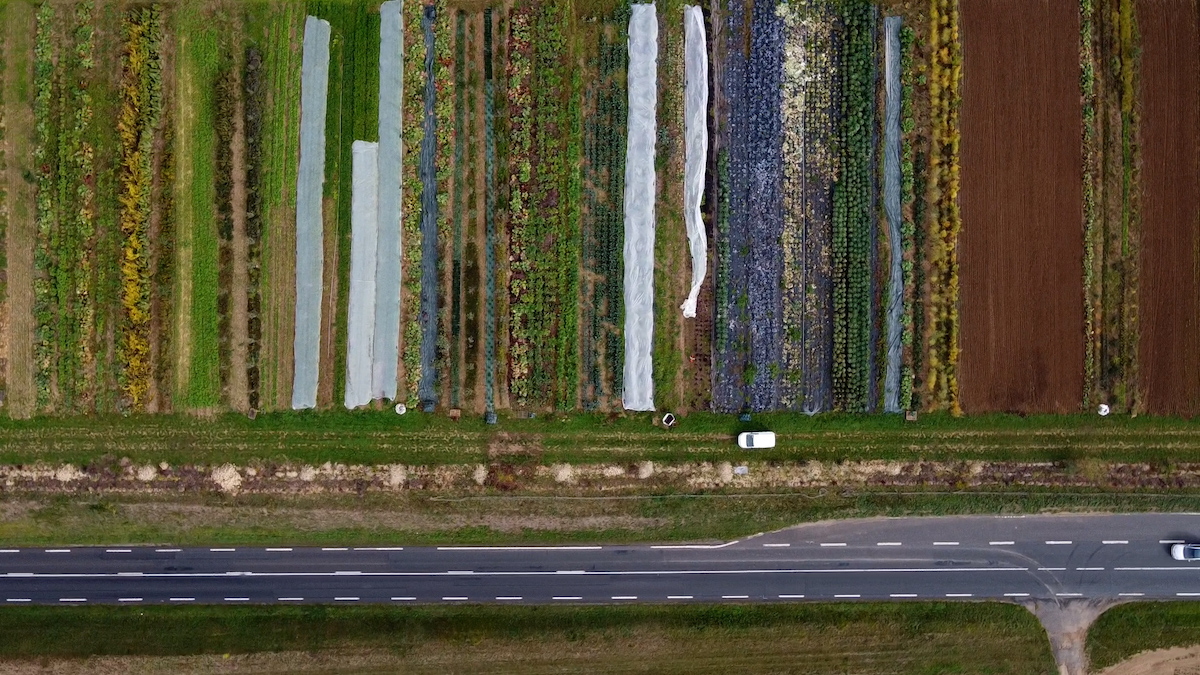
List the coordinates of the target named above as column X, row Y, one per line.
column 639, row 209
column 695, row 121
column 386, row 345
column 364, row 237
column 310, row 178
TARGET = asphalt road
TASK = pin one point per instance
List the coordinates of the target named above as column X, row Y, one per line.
column 964, row 558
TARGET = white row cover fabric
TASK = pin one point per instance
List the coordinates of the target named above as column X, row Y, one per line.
column 310, row 180
column 695, row 122
column 364, row 236
column 387, row 269
column 891, row 206
column 642, row 84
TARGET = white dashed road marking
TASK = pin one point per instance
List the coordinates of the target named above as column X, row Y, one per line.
column 960, row 595
column 776, row 545
column 279, row 550
column 833, row 544
column 1089, row 569
column 567, row 597
column 72, row 599
column 402, row 598
column 1052, row 569
column 1069, row 595
column 237, row 599
column 1056, row 542
column 58, row 550
column 1170, row 541
column 791, row 597
column 16, row 600
column 888, row 543
column 1115, row 541
column 1188, row 595
column 168, row 550
column 1001, row 543
column 1130, row 595
column 118, row 550
column 454, row 597
column 508, row 597
column 222, row 550
column 679, row 597
column 945, row 543
column 903, row 595
column 129, row 599
column 291, row 599
column 346, row 598
column 624, row 597
column 848, row 595
column 735, row 597
column 1016, row 595
column 183, row 599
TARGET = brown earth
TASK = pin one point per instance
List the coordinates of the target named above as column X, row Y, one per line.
column 1169, row 349
column 1021, row 253
column 1173, row 661
column 327, row 368
column 20, row 236
column 239, row 324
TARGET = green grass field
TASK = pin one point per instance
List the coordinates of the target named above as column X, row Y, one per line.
column 1126, row 630
column 821, row 639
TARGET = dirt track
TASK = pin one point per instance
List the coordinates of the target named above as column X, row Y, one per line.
column 1021, row 253
column 1169, row 350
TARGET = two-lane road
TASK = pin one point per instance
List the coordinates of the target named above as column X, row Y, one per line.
column 967, row 558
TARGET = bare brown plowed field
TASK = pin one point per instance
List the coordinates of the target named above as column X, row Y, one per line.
column 1021, row 250
column 1169, row 353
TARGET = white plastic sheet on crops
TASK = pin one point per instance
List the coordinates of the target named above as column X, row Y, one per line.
column 387, row 266
column 364, row 235
column 310, row 178
column 695, row 121
column 891, row 205
column 642, row 84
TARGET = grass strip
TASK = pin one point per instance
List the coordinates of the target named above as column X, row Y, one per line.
column 417, row 519
column 1126, row 630
column 832, row 638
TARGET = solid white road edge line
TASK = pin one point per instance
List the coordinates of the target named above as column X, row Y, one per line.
column 602, row 573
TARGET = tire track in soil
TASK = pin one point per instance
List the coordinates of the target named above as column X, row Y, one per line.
column 1169, row 349
column 1021, row 251
column 239, row 325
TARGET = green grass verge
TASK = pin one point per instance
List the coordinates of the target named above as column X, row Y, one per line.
column 827, row 638
column 1126, row 630
column 416, row 519
column 377, row 437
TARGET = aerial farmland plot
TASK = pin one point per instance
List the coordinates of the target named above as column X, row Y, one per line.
column 554, row 205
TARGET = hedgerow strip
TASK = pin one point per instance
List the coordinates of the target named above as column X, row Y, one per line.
column 945, row 100
column 140, row 110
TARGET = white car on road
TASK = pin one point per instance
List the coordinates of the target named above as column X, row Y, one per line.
column 756, row 440
column 1185, row 551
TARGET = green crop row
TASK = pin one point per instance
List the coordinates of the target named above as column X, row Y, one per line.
column 456, row 260
column 411, row 239
column 521, row 242
column 908, row 198
column 254, row 93
column 852, row 217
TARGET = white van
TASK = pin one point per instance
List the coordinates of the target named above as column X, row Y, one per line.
column 756, row 440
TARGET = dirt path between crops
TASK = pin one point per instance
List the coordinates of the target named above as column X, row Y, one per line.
column 20, row 236
column 329, row 305
column 1173, row 661
column 1021, row 253
column 1169, row 349
column 478, row 120
column 239, row 325
column 186, row 123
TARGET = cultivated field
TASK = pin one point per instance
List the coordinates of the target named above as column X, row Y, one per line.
column 1169, row 353
column 1021, row 252
column 177, row 235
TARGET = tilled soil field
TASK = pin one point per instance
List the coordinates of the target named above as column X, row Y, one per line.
column 1021, row 251
column 1169, row 353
